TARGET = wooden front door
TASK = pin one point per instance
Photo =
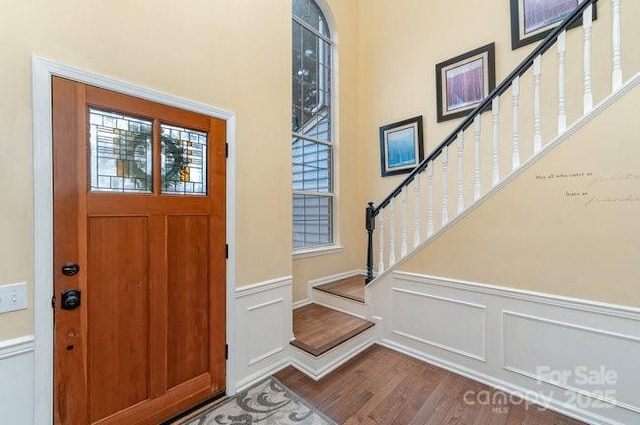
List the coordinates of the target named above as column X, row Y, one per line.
column 139, row 235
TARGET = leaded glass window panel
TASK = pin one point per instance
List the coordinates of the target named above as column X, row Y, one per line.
column 309, row 12
column 311, row 102
column 184, row 161
column 121, row 152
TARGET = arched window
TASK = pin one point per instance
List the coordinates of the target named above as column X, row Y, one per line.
column 311, row 126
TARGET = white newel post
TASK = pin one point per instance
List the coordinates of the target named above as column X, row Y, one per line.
column 616, row 75
column 562, row 107
column 476, row 171
column 460, row 204
column 495, row 109
column 537, row 104
column 515, row 97
column 587, row 25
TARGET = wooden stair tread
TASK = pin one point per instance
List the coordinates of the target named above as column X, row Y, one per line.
column 350, row 287
column 318, row 329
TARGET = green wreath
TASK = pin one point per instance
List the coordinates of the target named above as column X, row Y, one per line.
column 174, row 156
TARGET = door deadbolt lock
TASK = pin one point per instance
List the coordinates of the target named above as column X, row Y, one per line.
column 71, row 299
column 70, row 269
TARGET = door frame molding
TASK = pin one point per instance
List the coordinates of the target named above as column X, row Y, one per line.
column 43, row 70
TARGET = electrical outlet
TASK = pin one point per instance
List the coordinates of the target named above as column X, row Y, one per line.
column 13, row 297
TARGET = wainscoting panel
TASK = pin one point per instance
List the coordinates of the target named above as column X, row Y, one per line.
column 263, row 329
column 577, row 357
column 465, row 330
column 592, row 362
column 16, row 381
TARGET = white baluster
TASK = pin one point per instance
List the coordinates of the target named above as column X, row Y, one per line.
column 429, row 199
column 476, row 177
column 562, row 106
column 381, row 251
column 616, row 75
column 392, row 232
column 416, row 211
column 445, row 188
column 460, row 205
column 515, row 96
column 403, row 232
column 537, row 104
column 495, row 107
column 587, row 25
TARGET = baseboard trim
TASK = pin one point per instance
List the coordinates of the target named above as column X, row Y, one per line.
column 328, row 279
column 498, row 384
column 301, row 303
column 262, row 374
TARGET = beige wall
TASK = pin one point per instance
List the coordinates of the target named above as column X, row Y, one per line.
column 568, row 225
column 229, row 54
column 236, row 55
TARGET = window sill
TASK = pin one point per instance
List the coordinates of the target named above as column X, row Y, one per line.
column 316, row 252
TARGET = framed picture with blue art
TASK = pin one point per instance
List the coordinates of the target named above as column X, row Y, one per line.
column 533, row 20
column 464, row 81
column 401, row 146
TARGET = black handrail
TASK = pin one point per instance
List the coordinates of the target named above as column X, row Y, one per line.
column 546, row 44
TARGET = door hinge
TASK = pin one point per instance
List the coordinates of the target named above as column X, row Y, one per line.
column 226, row 251
column 226, row 150
column 53, row 302
column 226, row 351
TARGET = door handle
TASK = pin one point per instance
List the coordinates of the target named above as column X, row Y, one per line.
column 71, row 299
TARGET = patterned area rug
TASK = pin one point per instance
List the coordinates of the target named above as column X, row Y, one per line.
column 266, row 403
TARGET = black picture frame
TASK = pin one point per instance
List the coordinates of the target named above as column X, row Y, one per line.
column 465, row 81
column 401, row 146
column 521, row 35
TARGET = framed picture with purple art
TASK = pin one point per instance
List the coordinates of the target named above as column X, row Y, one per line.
column 464, row 81
column 533, row 20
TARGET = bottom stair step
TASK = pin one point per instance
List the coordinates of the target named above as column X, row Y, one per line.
column 318, row 329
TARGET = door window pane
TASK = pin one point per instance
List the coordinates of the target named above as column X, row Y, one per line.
column 121, row 152
column 184, row 161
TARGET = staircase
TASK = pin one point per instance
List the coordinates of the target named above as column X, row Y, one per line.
column 429, row 200
column 333, row 327
column 488, row 149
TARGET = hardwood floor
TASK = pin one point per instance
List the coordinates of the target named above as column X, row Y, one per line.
column 318, row 329
column 350, row 287
column 381, row 386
